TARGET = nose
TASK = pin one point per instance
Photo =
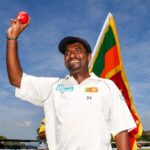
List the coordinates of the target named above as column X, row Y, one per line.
column 72, row 54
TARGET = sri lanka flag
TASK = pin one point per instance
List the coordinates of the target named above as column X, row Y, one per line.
column 107, row 63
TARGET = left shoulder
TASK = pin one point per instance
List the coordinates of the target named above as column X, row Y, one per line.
column 109, row 82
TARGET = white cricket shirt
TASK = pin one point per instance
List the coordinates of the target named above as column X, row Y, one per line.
column 78, row 116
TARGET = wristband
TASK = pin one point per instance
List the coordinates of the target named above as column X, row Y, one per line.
column 12, row 38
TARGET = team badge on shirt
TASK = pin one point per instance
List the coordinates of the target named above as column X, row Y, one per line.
column 91, row 89
column 62, row 88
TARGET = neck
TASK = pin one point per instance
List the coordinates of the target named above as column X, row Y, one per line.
column 79, row 77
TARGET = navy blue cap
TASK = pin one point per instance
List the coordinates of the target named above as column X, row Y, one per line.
column 71, row 39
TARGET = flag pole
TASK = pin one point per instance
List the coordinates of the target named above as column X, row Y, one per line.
column 100, row 38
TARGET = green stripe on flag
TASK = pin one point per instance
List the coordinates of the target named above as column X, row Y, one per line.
column 108, row 42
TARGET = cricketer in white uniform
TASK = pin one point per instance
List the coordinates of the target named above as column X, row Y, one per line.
column 81, row 110
column 78, row 116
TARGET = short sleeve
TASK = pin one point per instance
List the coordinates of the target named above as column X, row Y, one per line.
column 35, row 89
column 121, row 118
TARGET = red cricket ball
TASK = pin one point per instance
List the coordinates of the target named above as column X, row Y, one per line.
column 23, row 17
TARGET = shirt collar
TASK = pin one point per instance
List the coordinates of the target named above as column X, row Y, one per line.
column 73, row 81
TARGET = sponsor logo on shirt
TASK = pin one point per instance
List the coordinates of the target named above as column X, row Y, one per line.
column 88, row 97
column 61, row 88
column 91, row 89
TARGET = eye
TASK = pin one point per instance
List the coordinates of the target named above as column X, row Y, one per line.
column 78, row 49
column 66, row 52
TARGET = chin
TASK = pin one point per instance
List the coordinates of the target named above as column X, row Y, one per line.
column 73, row 72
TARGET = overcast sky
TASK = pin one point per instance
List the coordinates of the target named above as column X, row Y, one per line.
column 51, row 20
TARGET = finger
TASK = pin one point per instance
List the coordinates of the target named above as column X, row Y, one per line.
column 18, row 20
column 9, row 31
column 14, row 20
column 11, row 22
column 28, row 21
column 18, row 17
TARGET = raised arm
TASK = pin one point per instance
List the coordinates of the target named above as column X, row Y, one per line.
column 122, row 141
column 13, row 64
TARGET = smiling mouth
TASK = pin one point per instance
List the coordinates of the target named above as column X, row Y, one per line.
column 74, row 61
column 73, row 64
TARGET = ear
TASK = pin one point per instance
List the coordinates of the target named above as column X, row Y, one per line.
column 89, row 57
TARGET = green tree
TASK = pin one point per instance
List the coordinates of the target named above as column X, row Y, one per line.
column 2, row 137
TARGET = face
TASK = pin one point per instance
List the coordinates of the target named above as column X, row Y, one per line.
column 76, row 58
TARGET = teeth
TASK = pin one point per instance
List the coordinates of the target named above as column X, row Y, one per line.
column 74, row 61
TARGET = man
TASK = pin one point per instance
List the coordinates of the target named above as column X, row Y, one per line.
column 81, row 110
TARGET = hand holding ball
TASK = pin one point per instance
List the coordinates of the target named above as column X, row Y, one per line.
column 23, row 17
